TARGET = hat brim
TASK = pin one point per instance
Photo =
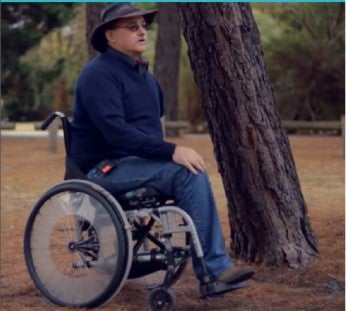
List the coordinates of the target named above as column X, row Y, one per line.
column 98, row 39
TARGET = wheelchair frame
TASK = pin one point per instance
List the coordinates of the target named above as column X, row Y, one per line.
column 79, row 235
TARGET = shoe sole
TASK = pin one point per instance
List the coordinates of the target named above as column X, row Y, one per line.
column 242, row 278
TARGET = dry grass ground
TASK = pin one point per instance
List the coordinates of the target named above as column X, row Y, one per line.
column 27, row 169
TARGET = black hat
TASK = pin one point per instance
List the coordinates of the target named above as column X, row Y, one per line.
column 111, row 13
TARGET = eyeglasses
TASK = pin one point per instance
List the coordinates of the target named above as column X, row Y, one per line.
column 134, row 27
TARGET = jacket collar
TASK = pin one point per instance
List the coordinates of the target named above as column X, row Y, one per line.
column 140, row 66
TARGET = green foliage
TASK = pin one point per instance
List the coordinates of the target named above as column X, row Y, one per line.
column 304, row 49
column 68, row 43
column 23, row 25
column 303, row 43
column 305, row 57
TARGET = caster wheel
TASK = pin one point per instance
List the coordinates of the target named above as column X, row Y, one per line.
column 161, row 299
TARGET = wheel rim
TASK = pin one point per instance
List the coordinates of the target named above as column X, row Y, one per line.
column 74, row 249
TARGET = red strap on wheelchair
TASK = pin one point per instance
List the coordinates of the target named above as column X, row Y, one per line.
column 106, row 168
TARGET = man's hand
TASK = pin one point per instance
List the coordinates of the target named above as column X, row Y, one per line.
column 189, row 158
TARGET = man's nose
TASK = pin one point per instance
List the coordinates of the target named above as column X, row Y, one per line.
column 142, row 29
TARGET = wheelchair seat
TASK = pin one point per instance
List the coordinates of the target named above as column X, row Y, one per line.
column 143, row 197
column 133, row 199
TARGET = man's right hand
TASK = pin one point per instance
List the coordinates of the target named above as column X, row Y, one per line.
column 189, row 158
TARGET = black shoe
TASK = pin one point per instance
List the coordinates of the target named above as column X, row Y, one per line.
column 236, row 274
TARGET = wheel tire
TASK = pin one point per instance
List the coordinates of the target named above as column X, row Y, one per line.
column 69, row 263
column 161, row 300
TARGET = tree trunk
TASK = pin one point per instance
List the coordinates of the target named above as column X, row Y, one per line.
column 167, row 54
column 268, row 215
column 93, row 11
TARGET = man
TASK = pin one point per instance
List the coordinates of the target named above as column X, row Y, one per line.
column 118, row 105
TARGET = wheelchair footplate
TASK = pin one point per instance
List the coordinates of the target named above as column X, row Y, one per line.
column 217, row 289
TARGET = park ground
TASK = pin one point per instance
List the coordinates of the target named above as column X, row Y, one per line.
column 28, row 169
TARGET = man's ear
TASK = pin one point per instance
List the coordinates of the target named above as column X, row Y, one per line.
column 110, row 36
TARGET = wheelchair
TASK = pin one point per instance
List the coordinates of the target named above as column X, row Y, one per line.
column 82, row 243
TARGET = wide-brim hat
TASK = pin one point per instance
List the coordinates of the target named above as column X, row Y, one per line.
column 109, row 15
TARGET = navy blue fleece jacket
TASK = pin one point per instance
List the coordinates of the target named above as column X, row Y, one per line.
column 118, row 105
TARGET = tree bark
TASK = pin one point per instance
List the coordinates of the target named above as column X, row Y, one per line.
column 93, row 11
column 267, row 212
column 167, row 55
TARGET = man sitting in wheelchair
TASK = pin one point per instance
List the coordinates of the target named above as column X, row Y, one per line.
column 117, row 138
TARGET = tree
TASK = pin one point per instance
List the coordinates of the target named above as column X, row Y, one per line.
column 268, row 214
column 23, row 25
column 306, row 61
column 93, row 11
column 167, row 55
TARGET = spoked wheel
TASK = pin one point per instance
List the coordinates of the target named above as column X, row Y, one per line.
column 76, row 246
column 161, row 299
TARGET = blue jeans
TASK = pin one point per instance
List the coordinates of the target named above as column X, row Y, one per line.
column 192, row 193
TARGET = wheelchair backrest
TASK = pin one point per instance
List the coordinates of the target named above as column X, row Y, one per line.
column 71, row 169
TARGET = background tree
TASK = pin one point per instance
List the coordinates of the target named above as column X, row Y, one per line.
column 306, row 69
column 306, row 59
column 268, row 215
column 167, row 57
column 23, row 25
column 307, row 74
column 190, row 102
column 68, row 44
column 93, row 12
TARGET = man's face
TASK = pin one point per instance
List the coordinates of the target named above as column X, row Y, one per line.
column 127, row 37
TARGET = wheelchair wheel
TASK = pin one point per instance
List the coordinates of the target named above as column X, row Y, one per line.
column 77, row 245
column 161, row 300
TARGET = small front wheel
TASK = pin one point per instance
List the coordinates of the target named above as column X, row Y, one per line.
column 161, row 299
